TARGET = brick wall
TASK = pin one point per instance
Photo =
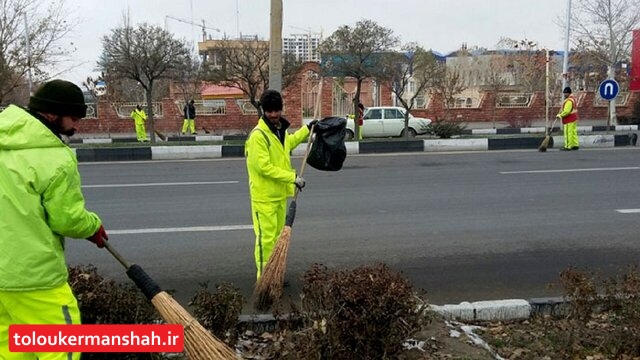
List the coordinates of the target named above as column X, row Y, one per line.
column 535, row 111
column 234, row 122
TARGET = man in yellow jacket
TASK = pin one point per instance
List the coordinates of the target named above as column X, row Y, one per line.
column 139, row 117
column 271, row 177
column 569, row 116
column 40, row 203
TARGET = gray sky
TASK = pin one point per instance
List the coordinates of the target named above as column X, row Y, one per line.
column 442, row 25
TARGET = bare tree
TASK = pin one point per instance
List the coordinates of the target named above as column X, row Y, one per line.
column 496, row 80
column 244, row 64
column 410, row 73
column 188, row 78
column 144, row 54
column 358, row 52
column 604, row 29
column 47, row 26
column 527, row 63
column 448, row 84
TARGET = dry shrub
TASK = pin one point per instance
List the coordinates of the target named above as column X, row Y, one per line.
column 364, row 313
column 604, row 315
column 103, row 301
column 622, row 306
column 218, row 311
column 445, row 129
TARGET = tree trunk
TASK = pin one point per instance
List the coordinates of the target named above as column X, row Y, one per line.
column 611, row 74
column 152, row 125
column 356, row 101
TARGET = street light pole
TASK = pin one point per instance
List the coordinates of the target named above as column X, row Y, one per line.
column 546, row 94
column 275, row 46
column 565, row 63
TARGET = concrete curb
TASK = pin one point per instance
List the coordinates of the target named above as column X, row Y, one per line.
column 493, row 310
column 162, row 152
column 500, row 131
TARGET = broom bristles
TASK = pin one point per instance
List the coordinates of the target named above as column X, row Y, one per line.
column 545, row 143
column 199, row 343
column 269, row 287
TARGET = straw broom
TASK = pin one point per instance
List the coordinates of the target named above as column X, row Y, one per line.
column 200, row 344
column 545, row 143
column 269, row 287
column 162, row 136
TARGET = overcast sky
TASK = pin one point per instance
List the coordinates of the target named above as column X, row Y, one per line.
column 442, row 25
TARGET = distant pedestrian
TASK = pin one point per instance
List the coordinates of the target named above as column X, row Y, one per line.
column 189, row 111
column 569, row 116
column 139, row 117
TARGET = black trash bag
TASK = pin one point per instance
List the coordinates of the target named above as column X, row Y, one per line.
column 328, row 150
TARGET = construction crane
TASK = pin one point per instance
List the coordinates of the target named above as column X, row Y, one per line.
column 203, row 25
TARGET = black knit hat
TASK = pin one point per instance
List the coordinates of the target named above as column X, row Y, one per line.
column 59, row 97
column 271, row 100
column 566, row 90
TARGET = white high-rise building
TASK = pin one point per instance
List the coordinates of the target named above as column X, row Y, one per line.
column 303, row 46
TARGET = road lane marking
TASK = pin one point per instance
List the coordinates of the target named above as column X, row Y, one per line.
column 181, row 229
column 569, row 170
column 161, row 184
column 628, row 211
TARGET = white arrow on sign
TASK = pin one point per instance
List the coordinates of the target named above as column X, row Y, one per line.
column 608, row 89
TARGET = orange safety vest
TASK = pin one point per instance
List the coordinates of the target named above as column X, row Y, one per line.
column 573, row 115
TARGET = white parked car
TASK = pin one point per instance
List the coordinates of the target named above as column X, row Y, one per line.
column 386, row 121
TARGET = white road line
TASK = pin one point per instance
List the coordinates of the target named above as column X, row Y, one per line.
column 628, row 211
column 161, row 184
column 569, row 170
column 180, row 229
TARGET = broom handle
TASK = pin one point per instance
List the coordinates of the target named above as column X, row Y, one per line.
column 550, row 130
column 117, row 255
column 316, row 114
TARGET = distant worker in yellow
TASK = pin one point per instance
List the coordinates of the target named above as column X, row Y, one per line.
column 189, row 111
column 569, row 116
column 139, row 118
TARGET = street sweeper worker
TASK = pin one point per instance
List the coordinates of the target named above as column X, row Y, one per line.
column 271, row 177
column 189, row 111
column 139, row 117
column 569, row 116
column 40, row 203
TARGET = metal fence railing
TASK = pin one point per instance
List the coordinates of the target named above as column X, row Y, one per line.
column 621, row 100
column 124, row 109
column 511, row 100
column 205, row 107
column 246, row 107
column 92, row 111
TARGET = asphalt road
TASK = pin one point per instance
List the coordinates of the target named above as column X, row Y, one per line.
column 462, row 226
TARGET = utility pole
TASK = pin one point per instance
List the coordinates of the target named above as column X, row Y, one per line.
column 275, row 46
column 565, row 62
column 546, row 95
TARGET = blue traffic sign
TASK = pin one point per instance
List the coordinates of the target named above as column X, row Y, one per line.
column 608, row 89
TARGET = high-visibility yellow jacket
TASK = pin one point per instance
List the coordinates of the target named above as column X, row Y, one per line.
column 139, row 116
column 40, row 203
column 271, row 177
column 569, row 111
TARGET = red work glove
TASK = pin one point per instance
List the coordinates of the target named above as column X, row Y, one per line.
column 99, row 237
